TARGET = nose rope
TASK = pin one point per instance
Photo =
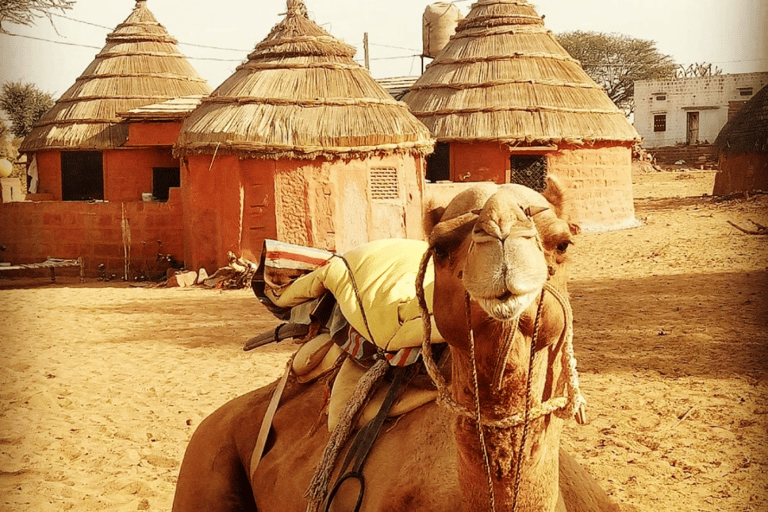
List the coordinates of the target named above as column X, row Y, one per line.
column 562, row 406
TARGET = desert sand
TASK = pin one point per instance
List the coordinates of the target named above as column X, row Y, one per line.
column 102, row 384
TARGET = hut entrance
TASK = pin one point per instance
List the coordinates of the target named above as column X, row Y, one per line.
column 82, row 176
column 693, row 128
column 163, row 179
column 439, row 163
column 530, row 171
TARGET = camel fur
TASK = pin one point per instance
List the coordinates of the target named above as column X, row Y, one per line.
column 494, row 248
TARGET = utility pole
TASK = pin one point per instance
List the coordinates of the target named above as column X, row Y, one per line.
column 366, row 51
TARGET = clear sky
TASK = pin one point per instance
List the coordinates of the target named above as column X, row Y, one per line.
column 732, row 34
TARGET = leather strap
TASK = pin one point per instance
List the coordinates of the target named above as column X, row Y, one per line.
column 266, row 422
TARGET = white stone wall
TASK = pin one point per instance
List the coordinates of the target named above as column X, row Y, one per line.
column 709, row 96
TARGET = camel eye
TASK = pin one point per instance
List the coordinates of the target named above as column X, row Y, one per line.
column 441, row 252
column 562, row 247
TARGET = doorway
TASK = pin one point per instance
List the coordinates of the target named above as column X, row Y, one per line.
column 692, row 136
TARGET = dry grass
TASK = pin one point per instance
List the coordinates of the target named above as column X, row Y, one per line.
column 503, row 77
column 139, row 65
column 301, row 95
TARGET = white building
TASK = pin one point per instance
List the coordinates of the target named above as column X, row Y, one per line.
column 690, row 110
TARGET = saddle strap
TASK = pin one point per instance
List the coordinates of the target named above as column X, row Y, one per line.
column 365, row 438
column 266, row 422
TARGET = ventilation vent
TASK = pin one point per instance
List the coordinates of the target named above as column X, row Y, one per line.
column 384, row 185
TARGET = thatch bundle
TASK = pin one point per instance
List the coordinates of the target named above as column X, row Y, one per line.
column 301, row 95
column 747, row 131
column 139, row 65
column 503, row 77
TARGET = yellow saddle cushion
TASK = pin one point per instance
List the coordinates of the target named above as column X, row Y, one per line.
column 385, row 274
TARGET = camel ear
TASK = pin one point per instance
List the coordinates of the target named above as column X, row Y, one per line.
column 431, row 218
column 557, row 195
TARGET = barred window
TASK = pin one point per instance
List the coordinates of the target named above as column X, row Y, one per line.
column 384, row 185
column 530, row 171
column 660, row 123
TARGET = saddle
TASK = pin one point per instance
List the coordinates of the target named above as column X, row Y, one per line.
column 345, row 311
column 356, row 314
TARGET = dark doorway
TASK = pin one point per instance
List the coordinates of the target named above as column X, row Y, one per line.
column 530, row 171
column 82, row 176
column 439, row 163
column 693, row 128
column 163, row 179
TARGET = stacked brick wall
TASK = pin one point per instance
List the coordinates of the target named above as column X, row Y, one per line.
column 601, row 183
column 34, row 231
column 695, row 155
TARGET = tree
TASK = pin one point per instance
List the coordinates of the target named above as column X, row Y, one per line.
column 24, row 12
column 616, row 61
column 25, row 104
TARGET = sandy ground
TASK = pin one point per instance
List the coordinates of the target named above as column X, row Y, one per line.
column 101, row 386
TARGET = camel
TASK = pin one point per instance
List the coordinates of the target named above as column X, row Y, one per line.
column 489, row 442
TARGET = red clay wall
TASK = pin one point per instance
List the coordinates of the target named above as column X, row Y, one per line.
column 152, row 134
column 741, row 172
column 481, row 161
column 218, row 201
column 600, row 176
column 49, row 173
column 33, row 231
column 128, row 173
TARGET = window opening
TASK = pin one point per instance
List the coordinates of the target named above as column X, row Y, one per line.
column 660, row 123
column 384, row 185
column 439, row 163
column 82, row 176
column 530, row 171
column 163, row 179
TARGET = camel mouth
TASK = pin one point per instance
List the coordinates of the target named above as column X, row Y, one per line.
column 508, row 306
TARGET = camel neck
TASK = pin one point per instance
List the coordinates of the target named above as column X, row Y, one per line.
column 539, row 471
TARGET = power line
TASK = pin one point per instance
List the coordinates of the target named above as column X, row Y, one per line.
column 99, row 48
column 395, row 47
column 80, row 21
column 180, row 42
column 52, row 41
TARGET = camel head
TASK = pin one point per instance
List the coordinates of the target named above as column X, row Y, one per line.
column 498, row 245
column 499, row 254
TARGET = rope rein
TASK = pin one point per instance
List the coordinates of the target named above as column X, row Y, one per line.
column 562, row 407
column 479, row 416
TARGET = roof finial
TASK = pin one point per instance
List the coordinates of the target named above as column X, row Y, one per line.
column 297, row 8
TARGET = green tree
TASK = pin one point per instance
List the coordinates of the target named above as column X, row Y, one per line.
column 616, row 61
column 24, row 12
column 24, row 104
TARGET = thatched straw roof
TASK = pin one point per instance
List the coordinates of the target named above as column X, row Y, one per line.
column 139, row 65
column 301, row 95
column 503, row 77
column 747, row 131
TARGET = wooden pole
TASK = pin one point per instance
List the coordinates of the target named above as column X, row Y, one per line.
column 366, row 51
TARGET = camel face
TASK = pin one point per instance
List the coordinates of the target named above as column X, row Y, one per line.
column 500, row 244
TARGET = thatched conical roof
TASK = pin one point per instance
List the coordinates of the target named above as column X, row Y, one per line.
column 747, row 131
column 139, row 65
column 503, row 77
column 301, row 95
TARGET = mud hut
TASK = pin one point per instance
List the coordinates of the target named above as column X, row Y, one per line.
column 106, row 178
column 743, row 149
column 300, row 144
column 507, row 103
column 80, row 144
